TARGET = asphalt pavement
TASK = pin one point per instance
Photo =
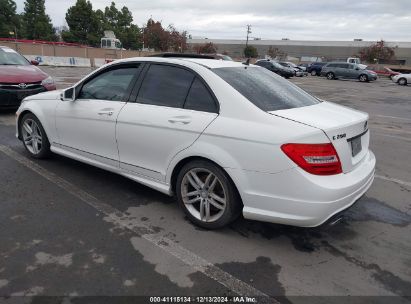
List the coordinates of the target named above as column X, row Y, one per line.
column 69, row 230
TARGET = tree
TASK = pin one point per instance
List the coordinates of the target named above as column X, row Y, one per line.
column 9, row 20
column 377, row 52
column 160, row 39
column 37, row 24
column 250, row 51
column 84, row 25
column 120, row 22
column 274, row 52
column 206, row 48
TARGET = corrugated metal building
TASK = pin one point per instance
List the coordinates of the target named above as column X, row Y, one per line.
column 329, row 50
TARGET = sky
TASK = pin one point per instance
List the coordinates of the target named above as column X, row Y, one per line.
column 270, row 19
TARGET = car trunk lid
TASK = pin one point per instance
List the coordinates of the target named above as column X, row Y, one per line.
column 346, row 128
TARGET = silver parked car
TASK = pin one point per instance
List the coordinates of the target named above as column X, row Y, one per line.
column 335, row 70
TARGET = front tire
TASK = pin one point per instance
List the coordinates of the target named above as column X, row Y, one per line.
column 313, row 73
column 402, row 81
column 207, row 195
column 330, row 76
column 34, row 137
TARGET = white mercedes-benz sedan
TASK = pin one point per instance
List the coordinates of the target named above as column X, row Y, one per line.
column 226, row 138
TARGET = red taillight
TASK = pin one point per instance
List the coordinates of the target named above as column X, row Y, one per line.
column 318, row 159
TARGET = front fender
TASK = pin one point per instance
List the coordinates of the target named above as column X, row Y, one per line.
column 44, row 110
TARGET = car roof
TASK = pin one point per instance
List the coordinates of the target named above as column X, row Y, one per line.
column 208, row 63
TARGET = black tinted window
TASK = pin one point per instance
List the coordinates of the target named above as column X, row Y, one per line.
column 110, row 85
column 343, row 65
column 199, row 98
column 165, row 86
column 262, row 63
column 266, row 90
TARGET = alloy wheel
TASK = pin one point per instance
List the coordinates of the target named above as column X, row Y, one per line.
column 402, row 81
column 203, row 195
column 33, row 140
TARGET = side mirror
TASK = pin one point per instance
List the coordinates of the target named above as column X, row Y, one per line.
column 69, row 94
column 34, row 62
column 357, row 69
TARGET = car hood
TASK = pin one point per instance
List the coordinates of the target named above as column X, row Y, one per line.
column 50, row 95
column 21, row 74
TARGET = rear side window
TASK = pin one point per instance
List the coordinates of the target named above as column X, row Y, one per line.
column 266, row 90
column 199, row 98
column 165, row 86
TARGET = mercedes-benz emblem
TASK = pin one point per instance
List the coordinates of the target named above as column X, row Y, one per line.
column 22, row 85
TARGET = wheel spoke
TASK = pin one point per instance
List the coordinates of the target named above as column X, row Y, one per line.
column 34, row 146
column 197, row 179
column 217, row 205
column 27, row 128
column 202, row 207
column 28, row 140
column 207, row 210
column 193, row 182
column 193, row 200
column 213, row 184
column 196, row 192
column 217, row 198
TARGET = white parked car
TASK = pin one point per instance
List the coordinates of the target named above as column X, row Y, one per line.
column 401, row 79
column 224, row 137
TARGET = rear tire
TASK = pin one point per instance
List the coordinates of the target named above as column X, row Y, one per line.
column 330, row 76
column 363, row 78
column 402, row 81
column 207, row 195
column 34, row 137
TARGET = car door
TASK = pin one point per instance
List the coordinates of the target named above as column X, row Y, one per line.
column 343, row 70
column 86, row 126
column 173, row 107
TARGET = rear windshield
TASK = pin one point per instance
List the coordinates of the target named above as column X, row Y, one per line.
column 11, row 57
column 265, row 89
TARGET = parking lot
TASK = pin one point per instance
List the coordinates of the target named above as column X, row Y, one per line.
column 69, row 229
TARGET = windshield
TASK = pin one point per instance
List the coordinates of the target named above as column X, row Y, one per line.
column 265, row 89
column 11, row 57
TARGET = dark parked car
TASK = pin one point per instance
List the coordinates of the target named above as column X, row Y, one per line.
column 335, row 70
column 20, row 78
column 315, row 68
column 276, row 68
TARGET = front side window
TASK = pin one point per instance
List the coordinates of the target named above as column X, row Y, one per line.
column 165, row 86
column 110, row 85
column 266, row 90
column 199, row 98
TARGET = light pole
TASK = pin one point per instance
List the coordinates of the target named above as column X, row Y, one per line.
column 248, row 32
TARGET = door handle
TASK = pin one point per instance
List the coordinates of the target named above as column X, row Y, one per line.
column 183, row 120
column 107, row 112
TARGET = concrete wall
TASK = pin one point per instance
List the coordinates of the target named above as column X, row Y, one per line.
column 70, row 51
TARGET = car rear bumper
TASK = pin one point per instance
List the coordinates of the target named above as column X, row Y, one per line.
column 295, row 197
column 11, row 98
